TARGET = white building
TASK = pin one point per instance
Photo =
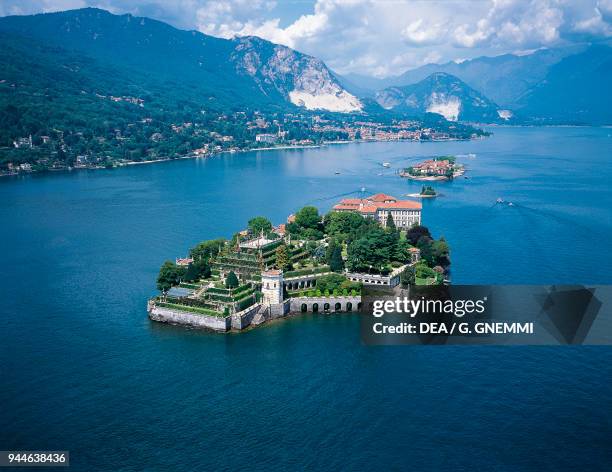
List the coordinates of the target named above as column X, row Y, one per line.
column 272, row 287
column 266, row 138
column 405, row 213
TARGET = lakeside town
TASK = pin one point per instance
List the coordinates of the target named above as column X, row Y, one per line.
column 150, row 140
column 311, row 263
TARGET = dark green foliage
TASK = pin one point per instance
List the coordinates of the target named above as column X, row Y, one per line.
column 428, row 190
column 373, row 251
column 440, row 252
column 329, row 283
column 308, row 217
column 334, row 256
column 260, row 224
column 414, row 234
column 425, row 245
column 407, row 277
column 207, row 250
column 390, row 223
column 283, row 261
column 422, row 271
column 169, row 275
column 197, row 270
column 345, row 226
column 231, row 281
column 307, row 224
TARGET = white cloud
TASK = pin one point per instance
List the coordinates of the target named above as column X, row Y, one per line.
column 370, row 36
column 418, row 33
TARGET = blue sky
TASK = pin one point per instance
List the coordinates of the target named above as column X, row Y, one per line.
column 374, row 37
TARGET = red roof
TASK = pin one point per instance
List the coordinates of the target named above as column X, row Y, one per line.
column 376, row 202
column 381, row 197
column 402, row 204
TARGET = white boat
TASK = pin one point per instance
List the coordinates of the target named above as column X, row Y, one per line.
column 386, row 164
column 499, row 200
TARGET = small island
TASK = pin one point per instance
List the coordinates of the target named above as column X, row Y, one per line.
column 438, row 168
column 309, row 264
column 427, row 191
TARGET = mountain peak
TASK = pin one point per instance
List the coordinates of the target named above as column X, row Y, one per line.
column 243, row 70
column 443, row 94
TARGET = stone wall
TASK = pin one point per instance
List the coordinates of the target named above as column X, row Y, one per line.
column 169, row 315
column 243, row 318
column 325, row 304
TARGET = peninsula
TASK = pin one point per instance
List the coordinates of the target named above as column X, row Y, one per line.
column 311, row 263
column 437, row 168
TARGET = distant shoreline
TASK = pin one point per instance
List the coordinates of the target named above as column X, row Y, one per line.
column 191, row 156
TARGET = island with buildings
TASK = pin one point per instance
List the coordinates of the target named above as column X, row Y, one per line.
column 309, row 264
column 437, row 168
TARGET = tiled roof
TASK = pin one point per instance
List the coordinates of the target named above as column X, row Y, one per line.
column 401, row 204
column 381, row 197
column 376, row 202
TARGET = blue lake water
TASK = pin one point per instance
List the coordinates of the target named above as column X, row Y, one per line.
column 83, row 369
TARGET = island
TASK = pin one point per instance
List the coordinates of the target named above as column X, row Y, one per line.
column 427, row 191
column 309, row 264
column 437, row 168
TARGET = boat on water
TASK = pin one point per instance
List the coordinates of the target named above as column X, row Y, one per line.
column 337, row 172
column 502, row 201
column 386, row 164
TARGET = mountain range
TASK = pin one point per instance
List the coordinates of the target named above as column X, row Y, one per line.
column 561, row 85
column 565, row 85
column 240, row 72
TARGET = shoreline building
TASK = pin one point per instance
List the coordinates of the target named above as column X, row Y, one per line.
column 405, row 213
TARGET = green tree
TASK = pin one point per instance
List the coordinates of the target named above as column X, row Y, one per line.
column 283, row 261
column 440, row 252
column 336, row 263
column 390, row 223
column 330, row 249
column 422, row 271
column 344, row 225
column 374, row 250
column 206, row 250
column 197, row 270
column 231, row 281
column 407, row 277
column 258, row 224
column 414, row 234
column 169, row 275
column 330, row 282
column 308, row 217
column 425, row 245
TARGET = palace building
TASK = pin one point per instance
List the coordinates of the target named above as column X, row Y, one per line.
column 405, row 213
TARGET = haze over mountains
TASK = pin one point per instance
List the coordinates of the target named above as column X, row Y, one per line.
column 568, row 85
column 565, row 85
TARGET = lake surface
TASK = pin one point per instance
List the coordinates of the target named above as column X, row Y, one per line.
column 83, row 369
